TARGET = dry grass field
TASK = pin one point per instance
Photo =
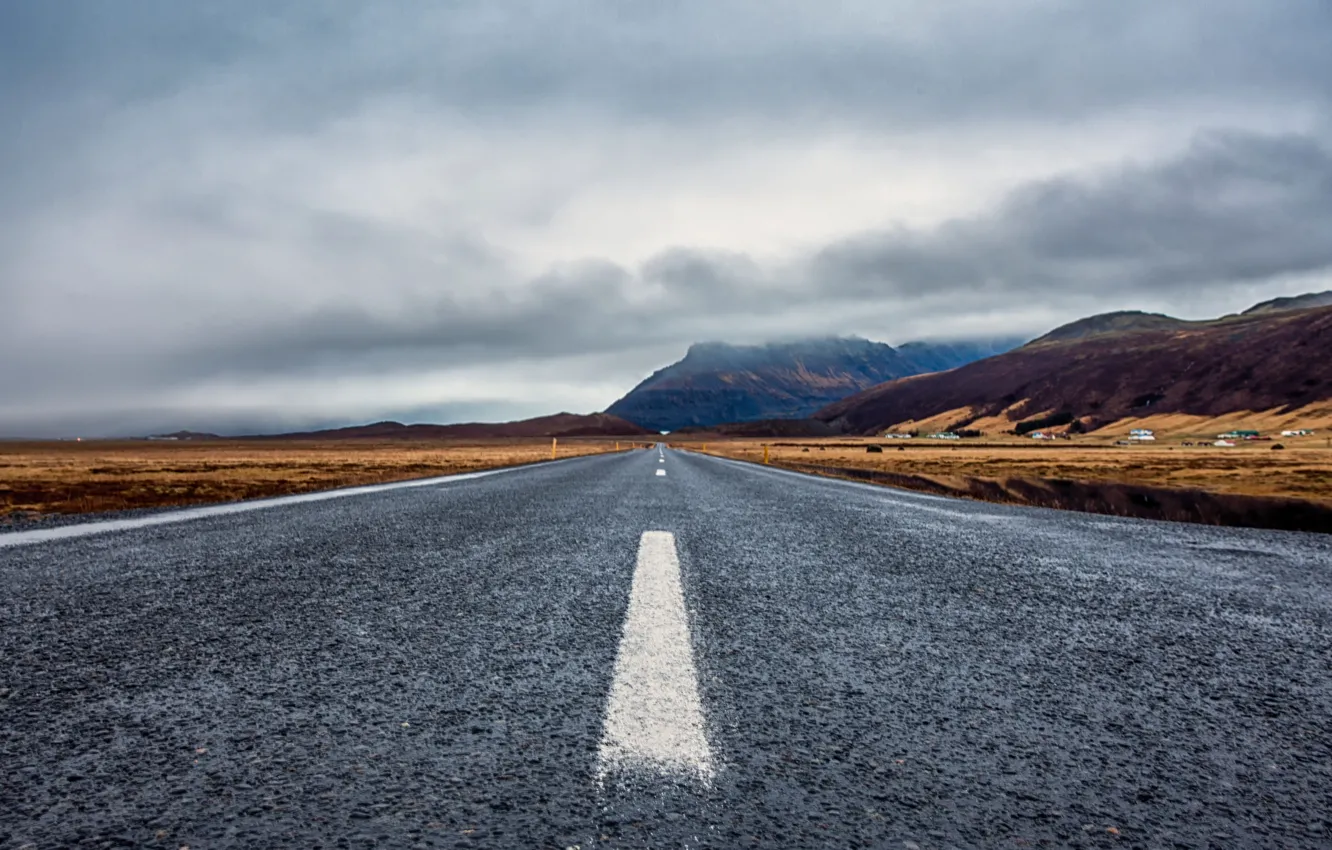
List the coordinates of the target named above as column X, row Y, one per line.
column 1303, row 470
column 81, row 477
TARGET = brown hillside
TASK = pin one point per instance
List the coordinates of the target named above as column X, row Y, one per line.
column 761, row 428
column 1127, row 321
column 1263, row 361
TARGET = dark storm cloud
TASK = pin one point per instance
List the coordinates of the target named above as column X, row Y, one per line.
column 865, row 63
column 157, row 229
column 1233, row 209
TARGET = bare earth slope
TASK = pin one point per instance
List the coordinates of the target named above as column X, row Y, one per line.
column 1251, row 362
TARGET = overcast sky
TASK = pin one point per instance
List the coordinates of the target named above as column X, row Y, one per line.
column 259, row 214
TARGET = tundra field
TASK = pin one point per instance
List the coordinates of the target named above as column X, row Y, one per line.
column 1247, row 484
column 1301, row 471
column 94, row 476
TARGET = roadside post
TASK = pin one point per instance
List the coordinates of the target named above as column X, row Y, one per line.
column 765, row 452
column 553, row 440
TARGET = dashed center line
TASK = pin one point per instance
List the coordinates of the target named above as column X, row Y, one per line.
column 654, row 719
column 661, row 472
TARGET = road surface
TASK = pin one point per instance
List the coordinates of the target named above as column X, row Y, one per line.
column 592, row 653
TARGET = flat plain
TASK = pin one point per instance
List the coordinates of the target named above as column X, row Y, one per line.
column 1301, row 470
column 64, row 477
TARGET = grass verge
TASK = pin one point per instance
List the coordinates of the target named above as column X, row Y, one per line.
column 1244, row 486
column 38, row 478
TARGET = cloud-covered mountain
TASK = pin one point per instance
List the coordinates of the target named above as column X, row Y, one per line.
column 719, row 383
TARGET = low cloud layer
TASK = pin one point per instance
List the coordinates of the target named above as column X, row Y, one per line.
column 247, row 216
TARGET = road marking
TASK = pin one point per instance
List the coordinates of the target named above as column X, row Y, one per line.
column 654, row 720
column 661, row 460
column 661, row 472
column 41, row 535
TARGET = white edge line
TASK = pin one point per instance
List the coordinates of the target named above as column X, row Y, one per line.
column 890, row 491
column 64, row 532
column 882, row 489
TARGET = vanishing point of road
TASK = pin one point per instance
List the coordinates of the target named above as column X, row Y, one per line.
column 662, row 649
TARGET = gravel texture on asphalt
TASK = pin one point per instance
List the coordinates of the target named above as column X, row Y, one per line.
column 430, row 666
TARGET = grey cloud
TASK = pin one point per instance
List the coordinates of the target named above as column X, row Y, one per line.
column 865, row 63
column 1230, row 210
column 1233, row 209
column 134, row 260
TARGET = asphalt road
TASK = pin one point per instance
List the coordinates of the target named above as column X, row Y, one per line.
column 850, row 666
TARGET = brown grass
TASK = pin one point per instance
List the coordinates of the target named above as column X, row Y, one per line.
column 81, row 477
column 1302, row 471
column 1176, row 426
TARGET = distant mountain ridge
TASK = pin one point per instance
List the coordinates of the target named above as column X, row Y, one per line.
column 721, row 383
column 1106, row 368
column 555, row 425
column 1130, row 321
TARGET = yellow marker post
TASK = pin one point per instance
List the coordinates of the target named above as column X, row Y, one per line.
column 617, row 445
column 765, row 453
column 552, row 448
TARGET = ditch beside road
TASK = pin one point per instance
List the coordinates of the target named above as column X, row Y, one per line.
column 1289, row 489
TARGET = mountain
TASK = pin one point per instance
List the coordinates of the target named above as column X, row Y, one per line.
column 777, row 428
column 557, row 425
column 1106, row 368
column 719, row 383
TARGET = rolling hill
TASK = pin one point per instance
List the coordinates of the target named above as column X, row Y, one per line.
column 556, row 425
column 719, row 383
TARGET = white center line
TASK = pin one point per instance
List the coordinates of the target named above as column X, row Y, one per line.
column 661, row 472
column 654, row 720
